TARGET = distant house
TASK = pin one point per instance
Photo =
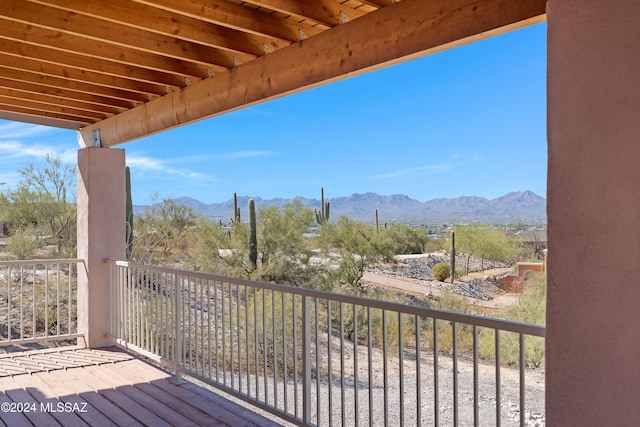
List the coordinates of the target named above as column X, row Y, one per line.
column 536, row 239
column 514, row 282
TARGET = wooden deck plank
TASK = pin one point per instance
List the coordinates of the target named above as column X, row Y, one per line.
column 88, row 413
column 71, row 389
column 166, row 412
column 223, row 414
column 195, row 414
column 111, row 386
column 134, row 409
column 103, row 405
column 48, row 401
column 12, row 419
column 33, row 414
column 143, row 374
column 116, row 387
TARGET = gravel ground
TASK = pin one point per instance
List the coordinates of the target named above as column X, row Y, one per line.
column 417, row 268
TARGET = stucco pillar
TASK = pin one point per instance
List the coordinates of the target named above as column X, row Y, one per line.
column 593, row 311
column 101, row 235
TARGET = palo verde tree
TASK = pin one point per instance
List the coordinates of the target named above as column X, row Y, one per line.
column 283, row 255
column 485, row 242
column 161, row 233
column 359, row 246
column 280, row 254
column 37, row 209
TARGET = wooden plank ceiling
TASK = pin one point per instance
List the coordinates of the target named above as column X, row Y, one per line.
column 131, row 68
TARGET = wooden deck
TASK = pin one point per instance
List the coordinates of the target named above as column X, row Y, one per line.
column 103, row 387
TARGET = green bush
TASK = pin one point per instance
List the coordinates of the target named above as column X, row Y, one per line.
column 23, row 244
column 531, row 308
column 441, row 271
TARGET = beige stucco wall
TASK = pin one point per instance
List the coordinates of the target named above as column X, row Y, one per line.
column 593, row 319
column 101, row 235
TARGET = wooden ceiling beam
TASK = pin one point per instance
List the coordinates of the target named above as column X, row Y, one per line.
column 89, row 116
column 6, row 114
column 65, row 93
column 163, row 22
column 75, row 86
column 56, row 100
column 78, row 75
column 60, row 41
column 109, row 68
column 329, row 13
column 74, row 24
column 238, row 17
column 378, row 3
column 60, row 119
column 402, row 31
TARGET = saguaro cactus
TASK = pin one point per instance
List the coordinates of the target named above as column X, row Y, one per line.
column 377, row 223
column 236, row 210
column 253, row 239
column 323, row 215
column 452, row 262
column 128, row 214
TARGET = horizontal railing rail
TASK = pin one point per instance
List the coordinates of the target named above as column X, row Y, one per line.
column 38, row 301
column 318, row 358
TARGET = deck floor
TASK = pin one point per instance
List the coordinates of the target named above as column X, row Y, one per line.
column 103, row 387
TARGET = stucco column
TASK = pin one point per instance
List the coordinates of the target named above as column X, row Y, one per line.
column 593, row 311
column 101, row 235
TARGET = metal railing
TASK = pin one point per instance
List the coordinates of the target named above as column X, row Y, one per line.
column 317, row 358
column 38, row 301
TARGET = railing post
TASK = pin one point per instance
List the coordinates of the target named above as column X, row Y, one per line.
column 178, row 326
column 113, row 329
column 306, row 360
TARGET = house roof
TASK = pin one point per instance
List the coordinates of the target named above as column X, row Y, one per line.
column 124, row 69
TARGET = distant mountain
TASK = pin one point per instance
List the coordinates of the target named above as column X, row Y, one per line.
column 523, row 206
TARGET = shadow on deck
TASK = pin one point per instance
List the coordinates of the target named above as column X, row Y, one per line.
column 73, row 386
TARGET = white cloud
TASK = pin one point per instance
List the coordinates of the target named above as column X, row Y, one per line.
column 12, row 130
column 455, row 160
column 241, row 155
column 144, row 163
column 418, row 171
column 222, row 156
column 14, row 149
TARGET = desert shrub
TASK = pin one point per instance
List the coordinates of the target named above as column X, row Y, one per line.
column 450, row 301
column 531, row 308
column 440, row 271
column 406, row 239
column 359, row 246
column 433, row 245
column 23, row 243
column 161, row 233
column 271, row 321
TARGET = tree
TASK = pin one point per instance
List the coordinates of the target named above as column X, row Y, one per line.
column 55, row 180
column 359, row 246
column 407, row 239
column 281, row 244
column 161, row 234
column 38, row 207
column 485, row 242
column 281, row 253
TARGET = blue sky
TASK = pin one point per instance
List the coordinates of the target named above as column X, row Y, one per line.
column 467, row 121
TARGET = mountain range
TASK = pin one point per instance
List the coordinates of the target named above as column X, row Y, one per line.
column 523, row 206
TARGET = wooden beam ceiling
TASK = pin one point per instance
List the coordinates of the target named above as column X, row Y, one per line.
column 131, row 68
